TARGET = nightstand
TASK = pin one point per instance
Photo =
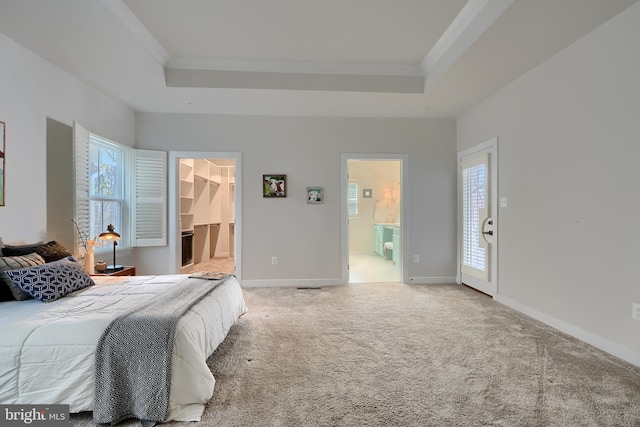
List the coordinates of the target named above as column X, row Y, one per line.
column 127, row 270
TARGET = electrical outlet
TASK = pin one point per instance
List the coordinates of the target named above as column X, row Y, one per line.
column 274, row 260
column 416, row 258
column 635, row 314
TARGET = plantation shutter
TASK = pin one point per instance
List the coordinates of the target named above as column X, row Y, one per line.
column 81, row 177
column 475, row 196
column 149, row 207
column 352, row 198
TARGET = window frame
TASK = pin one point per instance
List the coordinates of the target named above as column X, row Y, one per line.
column 124, row 174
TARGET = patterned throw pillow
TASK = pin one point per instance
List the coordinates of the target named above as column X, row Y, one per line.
column 9, row 290
column 51, row 281
column 50, row 251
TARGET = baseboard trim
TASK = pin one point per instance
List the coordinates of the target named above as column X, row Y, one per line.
column 618, row 350
column 291, row 283
column 432, row 280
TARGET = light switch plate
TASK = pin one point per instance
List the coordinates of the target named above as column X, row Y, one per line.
column 503, row 202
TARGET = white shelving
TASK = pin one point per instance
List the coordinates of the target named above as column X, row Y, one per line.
column 206, row 208
column 186, row 194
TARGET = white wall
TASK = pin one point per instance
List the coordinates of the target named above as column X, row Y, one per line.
column 34, row 90
column 306, row 238
column 568, row 150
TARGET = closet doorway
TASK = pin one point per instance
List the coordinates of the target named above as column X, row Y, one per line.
column 206, row 229
column 373, row 199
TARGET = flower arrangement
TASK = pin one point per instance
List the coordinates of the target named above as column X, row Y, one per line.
column 88, row 244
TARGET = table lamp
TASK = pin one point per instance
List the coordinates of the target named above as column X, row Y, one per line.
column 111, row 236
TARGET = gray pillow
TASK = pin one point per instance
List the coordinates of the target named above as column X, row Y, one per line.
column 50, row 251
column 8, row 290
column 51, row 281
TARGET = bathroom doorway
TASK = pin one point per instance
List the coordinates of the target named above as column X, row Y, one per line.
column 374, row 218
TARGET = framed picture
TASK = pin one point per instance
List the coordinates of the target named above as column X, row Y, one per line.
column 274, row 185
column 315, row 194
column 2, row 162
column 367, row 193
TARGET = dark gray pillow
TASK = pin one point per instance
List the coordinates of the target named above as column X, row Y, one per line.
column 50, row 251
column 51, row 281
column 8, row 290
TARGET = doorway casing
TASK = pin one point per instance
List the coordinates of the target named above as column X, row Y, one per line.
column 345, row 158
column 174, row 206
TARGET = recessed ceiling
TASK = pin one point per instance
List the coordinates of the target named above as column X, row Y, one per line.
column 333, row 31
column 345, row 58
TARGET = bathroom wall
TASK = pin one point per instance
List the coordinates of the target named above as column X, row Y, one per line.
column 382, row 177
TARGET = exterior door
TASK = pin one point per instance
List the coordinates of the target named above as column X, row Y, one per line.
column 478, row 217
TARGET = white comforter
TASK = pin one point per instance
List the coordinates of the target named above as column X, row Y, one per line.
column 47, row 351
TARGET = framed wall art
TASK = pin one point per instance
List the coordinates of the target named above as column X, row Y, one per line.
column 315, row 194
column 274, row 185
column 3, row 161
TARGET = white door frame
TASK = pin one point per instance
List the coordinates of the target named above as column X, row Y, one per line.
column 491, row 147
column 404, row 162
column 174, row 204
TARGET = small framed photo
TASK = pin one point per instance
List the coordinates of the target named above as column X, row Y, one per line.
column 274, row 185
column 315, row 194
column 367, row 193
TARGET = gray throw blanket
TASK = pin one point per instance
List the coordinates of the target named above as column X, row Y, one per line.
column 133, row 356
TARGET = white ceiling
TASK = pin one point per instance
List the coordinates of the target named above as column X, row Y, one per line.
column 347, row 58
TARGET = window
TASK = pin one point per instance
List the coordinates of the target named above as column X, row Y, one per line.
column 352, row 198
column 474, row 199
column 118, row 185
column 107, row 202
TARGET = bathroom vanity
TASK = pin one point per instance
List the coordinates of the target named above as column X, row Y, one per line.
column 384, row 233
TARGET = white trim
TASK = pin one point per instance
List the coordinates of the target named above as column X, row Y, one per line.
column 137, row 28
column 174, row 235
column 618, row 350
column 404, row 215
column 290, row 283
column 295, row 67
column 432, row 280
column 465, row 29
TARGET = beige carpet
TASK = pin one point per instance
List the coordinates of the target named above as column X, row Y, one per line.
column 408, row 355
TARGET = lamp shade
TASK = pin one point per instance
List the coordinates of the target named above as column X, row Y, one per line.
column 110, row 234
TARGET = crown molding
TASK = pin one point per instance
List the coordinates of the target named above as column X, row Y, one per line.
column 140, row 32
column 474, row 18
column 411, row 70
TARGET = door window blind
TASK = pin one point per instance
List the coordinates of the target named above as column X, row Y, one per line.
column 474, row 201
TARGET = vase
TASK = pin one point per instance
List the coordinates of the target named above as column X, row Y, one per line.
column 88, row 262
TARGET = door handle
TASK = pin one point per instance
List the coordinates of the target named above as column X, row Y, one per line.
column 490, row 232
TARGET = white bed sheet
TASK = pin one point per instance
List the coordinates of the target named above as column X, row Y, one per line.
column 47, row 351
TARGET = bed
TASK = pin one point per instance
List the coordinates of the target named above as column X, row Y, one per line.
column 48, row 350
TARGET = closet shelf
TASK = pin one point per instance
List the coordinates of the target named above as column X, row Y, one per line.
column 206, row 205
